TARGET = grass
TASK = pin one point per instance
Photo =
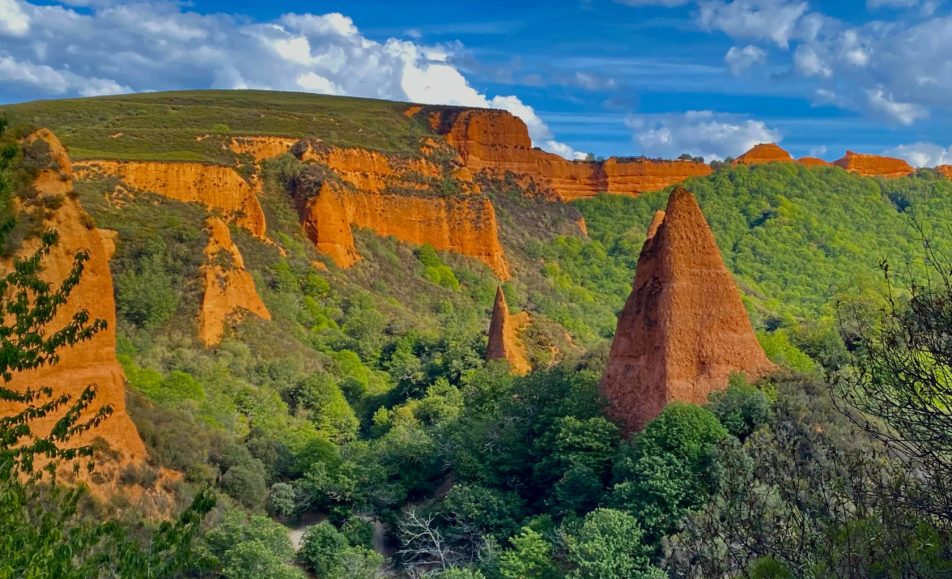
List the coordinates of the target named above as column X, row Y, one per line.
column 165, row 125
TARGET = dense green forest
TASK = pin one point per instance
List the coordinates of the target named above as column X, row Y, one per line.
column 365, row 413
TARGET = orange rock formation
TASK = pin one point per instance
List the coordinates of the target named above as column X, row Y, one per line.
column 684, row 329
column 92, row 361
column 945, row 171
column 504, row 343
column 764, row 153
column 813, row 162
column 464, row 224
column 229, row 288
column 498, row 141
column 214, row 186
column 262, row 147
column 874, row 165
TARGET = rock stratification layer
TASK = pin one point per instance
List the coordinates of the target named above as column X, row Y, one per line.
column 504, row 343
column 229, row 288
column 497, row 141
column 764, row 153
column 215, row 186
column 683, row 330
column 874, row 165
column 92, row 362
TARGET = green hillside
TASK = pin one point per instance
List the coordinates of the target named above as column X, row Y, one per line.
column 367, row 393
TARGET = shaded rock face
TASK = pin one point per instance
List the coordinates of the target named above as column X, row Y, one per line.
column 684, row 329
column 493, row 140
column 504, row 343
column 93, row 361
column 229, row 288
column 764, row 153
column 874, row 165
column 215, row 186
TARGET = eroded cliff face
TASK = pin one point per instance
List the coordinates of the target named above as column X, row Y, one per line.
column 229, row 289
column 945, row 171
column 764, row 153
column 874, row 165
column 465, row 224
column 90, row 362
column 56, row 176
column 497, row 141
column 215, row 186
column 504, row 342
column 683, row 330
column 261, row 147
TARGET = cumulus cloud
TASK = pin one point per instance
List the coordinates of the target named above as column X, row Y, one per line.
column 665, row 3
column 115, row 47
column 904, row 113
column 923, row 154
column 699, row 133
column 740, row 59
column 775, row 20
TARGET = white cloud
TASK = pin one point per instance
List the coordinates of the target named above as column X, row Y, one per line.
column 923, row 154
column 808, row 62
column 740, row 59
column 904, row 113
column 153, row 45
column 876, row 4
column 13, row 20
column 774, row 20
column 700, row 133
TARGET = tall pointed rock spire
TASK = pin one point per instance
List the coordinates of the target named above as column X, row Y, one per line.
column 684, row 329
column 504, row 341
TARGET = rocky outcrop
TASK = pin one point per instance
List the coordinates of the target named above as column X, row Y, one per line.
column 93, row 361
column 55, row 175
column 497, row 141
column 229, row 289
column 504, row 342
column 874, row 165
column 684, row 329
column 465, row 224
column 813, row 162
column 261, row 147
column 945, row 171
column 764, row 153
column 215, row 186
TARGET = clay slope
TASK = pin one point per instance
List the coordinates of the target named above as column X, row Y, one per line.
column 215, row 186
column 229, row 288
column 684, row 329
column 93, row 361
column 813, row 162
column 874, row 165
column 764, row 153
column 493, row 140
column 504, row 343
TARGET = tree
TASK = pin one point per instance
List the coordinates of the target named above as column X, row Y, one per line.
column 530, row 556
column 902, row 382
column 609, row 546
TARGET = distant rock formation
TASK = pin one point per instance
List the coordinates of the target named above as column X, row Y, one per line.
column 874, row 165
column 504, row 343
column 215, row 186
column 229, row 288
column 497, row 141
column 93, row 361
column 945, row 171
column 262, row 147
column 684, row 329
column 764, row 153
column 813, row 162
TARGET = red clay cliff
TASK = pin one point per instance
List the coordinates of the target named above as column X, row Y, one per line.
column 683, row 330
column 764, row 153
column 874, row 165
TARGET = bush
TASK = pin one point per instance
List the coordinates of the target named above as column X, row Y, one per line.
column 741, row 408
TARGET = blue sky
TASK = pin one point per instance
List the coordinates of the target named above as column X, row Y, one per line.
column 610, row 77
